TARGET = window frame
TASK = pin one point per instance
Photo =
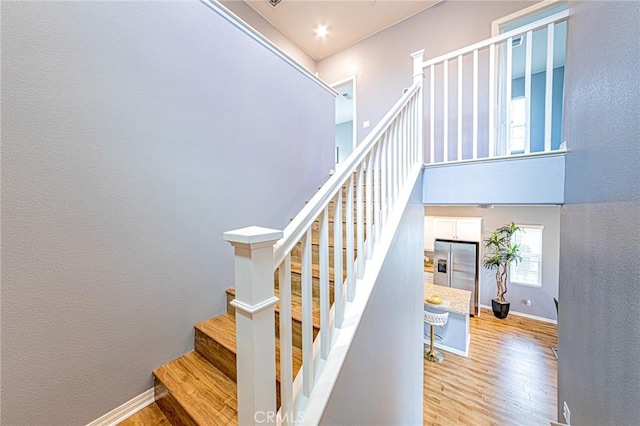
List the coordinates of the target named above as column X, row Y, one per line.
column 512, row 268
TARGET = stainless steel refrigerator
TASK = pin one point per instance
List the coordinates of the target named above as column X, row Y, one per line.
column 456, row 265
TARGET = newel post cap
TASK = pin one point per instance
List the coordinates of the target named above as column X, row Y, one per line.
column 252, row 235
column 418, row 55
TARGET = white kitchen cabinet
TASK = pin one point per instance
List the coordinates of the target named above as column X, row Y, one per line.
column 428, row 233
column 444, row 228
column 454, row 228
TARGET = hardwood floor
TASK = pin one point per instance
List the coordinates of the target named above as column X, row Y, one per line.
column 509, row 377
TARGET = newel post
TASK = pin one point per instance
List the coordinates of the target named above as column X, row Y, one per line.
column 255, row 323
column 418, row 77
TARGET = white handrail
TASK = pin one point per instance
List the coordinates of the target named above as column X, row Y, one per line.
column 558, row 17
column 303, row 220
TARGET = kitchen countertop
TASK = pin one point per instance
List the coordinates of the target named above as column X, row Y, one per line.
column 458, row 299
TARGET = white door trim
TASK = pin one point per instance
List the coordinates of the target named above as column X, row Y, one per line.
column 354, row 79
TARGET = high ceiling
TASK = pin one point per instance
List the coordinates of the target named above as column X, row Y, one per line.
column 347, row 22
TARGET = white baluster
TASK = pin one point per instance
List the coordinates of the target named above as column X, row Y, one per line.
column 323, row 254
column 432, row 138
column 369, row 206
column 255, row 318
column 351, row 279
column 527, row 93
column 360, row 221
column 307, row 316
column 377, row 206
column 286, row 342
column 459, row 156
column 384, row 175
column 548, row 97
column 508, row 84
column 475, row 104
column 445, row 110
column 338, row 283
column 418, row 77
column 492, row 89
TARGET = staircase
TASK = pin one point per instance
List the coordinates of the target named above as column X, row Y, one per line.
column 305, row 281
column 199, row 388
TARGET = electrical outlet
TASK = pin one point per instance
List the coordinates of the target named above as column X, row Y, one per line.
column 527, row 302
column 566, row 413
column 366, row 124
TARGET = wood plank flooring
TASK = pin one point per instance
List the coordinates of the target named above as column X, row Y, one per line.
column 509, row 377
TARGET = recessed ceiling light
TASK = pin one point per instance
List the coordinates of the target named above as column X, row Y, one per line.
column 321, row 31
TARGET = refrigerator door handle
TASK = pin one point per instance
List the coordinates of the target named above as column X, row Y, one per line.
column 450, row 269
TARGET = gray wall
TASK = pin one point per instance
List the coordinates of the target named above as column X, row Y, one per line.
column 599, row 319
column 344, row 140
column 383, row 63
column 253, row 18
column 542, row 304
column 133, row 135
column 381, row 382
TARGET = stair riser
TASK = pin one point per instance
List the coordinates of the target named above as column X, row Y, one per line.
column 222, row 358
column 219, row 356
column 170, row 407
column 296, row 285
column 296, row 254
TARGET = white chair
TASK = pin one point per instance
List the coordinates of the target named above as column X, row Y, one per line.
column 434, row 320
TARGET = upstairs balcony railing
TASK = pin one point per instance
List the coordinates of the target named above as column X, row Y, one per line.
column 469, row 93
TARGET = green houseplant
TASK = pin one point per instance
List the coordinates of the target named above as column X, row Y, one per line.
column 501, row 253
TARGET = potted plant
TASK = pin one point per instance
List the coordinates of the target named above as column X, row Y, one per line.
column 501, row 253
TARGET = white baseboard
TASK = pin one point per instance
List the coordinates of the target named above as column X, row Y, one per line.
column 126, row 410
column 522, row 314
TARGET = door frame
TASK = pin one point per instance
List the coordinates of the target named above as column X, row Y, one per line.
column 353, row 79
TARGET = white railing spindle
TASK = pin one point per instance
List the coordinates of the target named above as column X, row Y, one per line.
column 432, row 113
column 369, row 206
column 475, row 105
column 445, row 111
column 307, row 316
column 377, row 205
column 508, row 84
column 286, row 339
column 527, row 93
column 459, row 155
column 492, row 88
column 338, row 282
column 384, row 176
column 323, row 255
column 360, row 221
column 351, row 276
column 548, row 97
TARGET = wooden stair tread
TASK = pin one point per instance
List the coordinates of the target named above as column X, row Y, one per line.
column 149, row 415
column 222, row 329
column 204, row 392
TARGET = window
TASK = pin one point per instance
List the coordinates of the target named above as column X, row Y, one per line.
column 529, row 270
column 517, row 126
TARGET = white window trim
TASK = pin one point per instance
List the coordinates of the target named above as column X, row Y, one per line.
column 539, row 285
column 522, row 13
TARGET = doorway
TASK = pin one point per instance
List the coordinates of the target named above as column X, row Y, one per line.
column 345, row 128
